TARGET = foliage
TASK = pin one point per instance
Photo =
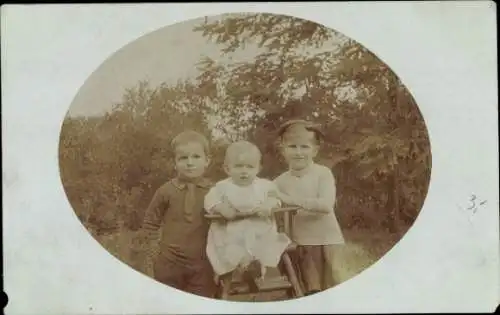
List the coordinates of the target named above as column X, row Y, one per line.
column 375, row 138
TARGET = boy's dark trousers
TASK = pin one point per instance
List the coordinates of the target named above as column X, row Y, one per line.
column 194, row 276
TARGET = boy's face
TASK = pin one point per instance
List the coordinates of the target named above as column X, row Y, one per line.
column 299, row 148
column 243, row 168
column 191, row 160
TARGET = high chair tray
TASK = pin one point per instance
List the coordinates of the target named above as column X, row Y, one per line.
column 249, row 215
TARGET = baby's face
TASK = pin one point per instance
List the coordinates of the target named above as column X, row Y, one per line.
column 243, row 168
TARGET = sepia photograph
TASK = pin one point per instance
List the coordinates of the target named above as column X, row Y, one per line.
column 250, row 158
column 245, row 157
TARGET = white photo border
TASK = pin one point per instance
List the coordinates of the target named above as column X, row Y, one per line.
column 445, row 54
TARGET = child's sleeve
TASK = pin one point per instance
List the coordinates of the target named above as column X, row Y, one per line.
column 273, row 194
column 212, row 199
column 156, row 210
column 277, row 182
column 325, row 200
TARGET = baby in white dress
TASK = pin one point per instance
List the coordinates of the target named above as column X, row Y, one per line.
column 236, row 243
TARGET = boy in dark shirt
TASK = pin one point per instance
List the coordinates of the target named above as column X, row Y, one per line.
column 177, row 206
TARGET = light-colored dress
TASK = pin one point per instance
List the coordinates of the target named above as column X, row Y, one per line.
column 231, row 243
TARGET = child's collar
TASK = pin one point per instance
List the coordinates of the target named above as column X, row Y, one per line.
column 301, row 172
column 200, row 182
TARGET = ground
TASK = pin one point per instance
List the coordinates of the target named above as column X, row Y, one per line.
column 350, row 260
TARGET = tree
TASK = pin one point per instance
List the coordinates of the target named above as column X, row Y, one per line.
column 110, row 165
column 375, row 142
column 372, row 124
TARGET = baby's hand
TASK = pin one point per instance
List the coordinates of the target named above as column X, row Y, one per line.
column 228, row 214
column 226, row 209
column 264, row 210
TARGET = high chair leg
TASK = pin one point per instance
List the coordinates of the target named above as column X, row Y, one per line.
column 290, row 270
column 225, row 286
column 250, row 280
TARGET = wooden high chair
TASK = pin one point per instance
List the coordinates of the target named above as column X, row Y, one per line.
column 286, row 281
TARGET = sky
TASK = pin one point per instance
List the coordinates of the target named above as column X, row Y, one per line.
column 166, row 55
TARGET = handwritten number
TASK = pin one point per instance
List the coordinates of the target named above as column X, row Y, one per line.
column 473, row 200
column 473, row 205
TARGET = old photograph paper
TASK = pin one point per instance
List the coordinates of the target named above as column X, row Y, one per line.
column 250, row 158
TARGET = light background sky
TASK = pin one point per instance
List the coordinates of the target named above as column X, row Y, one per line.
column 166, row 55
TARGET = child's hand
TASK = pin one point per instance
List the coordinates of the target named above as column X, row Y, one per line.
column 287, row 199
column 227, row 213
column 292, row 246
column 265, row 209
column 226, row 209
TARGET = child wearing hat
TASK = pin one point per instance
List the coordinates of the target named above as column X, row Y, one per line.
column 315, row 228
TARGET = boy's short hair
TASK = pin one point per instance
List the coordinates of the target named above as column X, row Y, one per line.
column 240, row 146
column 308, row 125
column 190, row 136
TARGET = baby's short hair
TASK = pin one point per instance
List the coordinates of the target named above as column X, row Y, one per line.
column 239, row 147
column 309, row 126
column 190, row 136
